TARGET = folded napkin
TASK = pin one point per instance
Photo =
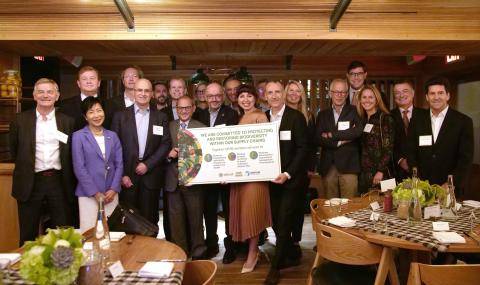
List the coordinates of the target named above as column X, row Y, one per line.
column 342, row 221
column 156, row 269
column 472, row 203
column 448, row 237
column 336, row 201
column 12, row 257
column 116, row 236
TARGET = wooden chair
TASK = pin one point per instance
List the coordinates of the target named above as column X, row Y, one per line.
column 338, row 246
column 457, row 274
column 199, row 272
column 320, row 212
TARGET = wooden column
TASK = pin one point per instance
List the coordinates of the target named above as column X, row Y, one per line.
column 9, row 229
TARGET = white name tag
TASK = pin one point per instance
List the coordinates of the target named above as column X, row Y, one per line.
column 368, row 128
column 61, row 137
column 440, row 226
column 116, row 269
column 344, row 125
column 88, row 245
column 285, row 135
column 425, row 140
column 432, row 211
column 388, row 184
column 375, row 206
column 157, row 130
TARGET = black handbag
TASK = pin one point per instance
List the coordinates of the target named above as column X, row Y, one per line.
column 128, row 219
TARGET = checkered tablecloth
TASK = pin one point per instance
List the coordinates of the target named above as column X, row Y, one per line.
column 127, row 277
column 418, row 232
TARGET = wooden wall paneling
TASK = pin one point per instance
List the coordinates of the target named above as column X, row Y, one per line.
column 9, row 233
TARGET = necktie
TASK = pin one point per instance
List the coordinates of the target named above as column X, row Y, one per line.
column 183, row 126
column 405, row 120
column 354, row 98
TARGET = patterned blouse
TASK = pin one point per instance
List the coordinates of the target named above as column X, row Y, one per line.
column 376, row 154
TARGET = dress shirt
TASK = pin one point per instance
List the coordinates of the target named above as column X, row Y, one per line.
column 128, row 101
column 174, row 111
column 182, row 122
column 142, row 118
column 335, row 114
column 213, row 116
column 278, row 116
column 47, row 146
column 437, row 122
column 83, row 96
column 351, row 95
column 101, row 143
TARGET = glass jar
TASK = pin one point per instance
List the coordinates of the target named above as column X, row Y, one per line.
column 10, row 84
column 403, row 209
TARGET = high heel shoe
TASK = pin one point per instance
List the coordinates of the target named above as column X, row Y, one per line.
column 246, row 269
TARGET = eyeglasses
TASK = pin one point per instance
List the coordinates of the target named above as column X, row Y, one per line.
column 200, row 91
column 183, row 109
column 143, row 91
column 338, row 92
column 356, row 74
column 214, row 96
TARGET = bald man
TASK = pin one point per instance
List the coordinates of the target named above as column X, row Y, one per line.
column 145, row 138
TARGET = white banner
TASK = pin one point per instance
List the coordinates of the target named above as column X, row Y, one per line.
column 239, row 153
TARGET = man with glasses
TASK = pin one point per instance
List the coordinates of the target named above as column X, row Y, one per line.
column 338, row 130
column 217, row 114
column 356, row 75
column 404, row 112
column 145, row 138
column 185, row 204
column 129, row 77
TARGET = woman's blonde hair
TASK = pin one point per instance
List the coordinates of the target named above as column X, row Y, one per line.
column 380, row 105
column 303, row 97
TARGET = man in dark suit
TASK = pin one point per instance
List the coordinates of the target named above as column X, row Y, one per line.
column 185, row 204
column 440, row 141
column 404, row 112
column 217, row 114
column 43, row 176
column 284, row 190
column 338, row 130
column 356, row 76
column 129, row 77
column 88, row 82
column 143, row 132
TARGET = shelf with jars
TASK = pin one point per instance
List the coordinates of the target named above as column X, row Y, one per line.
column 10, row 97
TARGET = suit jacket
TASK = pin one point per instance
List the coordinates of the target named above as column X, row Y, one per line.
column 72, row 107
column 171, row 179
column 89, row 164
column 156, row 148
column 451, row 153
column 112, row 106
column 169, row 112
column 345, row 157
column 400, row 145
column 226, row 116
column 293, row 152
column 22, row 149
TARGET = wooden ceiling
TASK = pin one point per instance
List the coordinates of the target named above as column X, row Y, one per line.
column 222, row 34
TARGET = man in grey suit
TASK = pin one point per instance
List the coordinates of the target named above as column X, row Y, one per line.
column 185, row 204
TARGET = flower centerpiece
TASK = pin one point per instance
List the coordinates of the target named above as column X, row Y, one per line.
column 54, row 258
column 427, row 193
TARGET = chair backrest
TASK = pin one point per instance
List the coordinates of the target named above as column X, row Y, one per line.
column 338, row 246
column 321, row 212
column 199, row 272
column 456, row 274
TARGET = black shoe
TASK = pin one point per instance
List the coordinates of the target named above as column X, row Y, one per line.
column 212, row 251
column 295, row 252
column 229, row 256
column 273, row 277
column 289, row 262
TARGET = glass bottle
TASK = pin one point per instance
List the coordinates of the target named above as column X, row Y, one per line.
column 449, row 210
column 416, row 206
column 101, row 239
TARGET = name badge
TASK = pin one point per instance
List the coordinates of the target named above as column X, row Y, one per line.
column 157, row 130
column 285, row 135
column 116, row 269
column 388, row 184
column 375, row 206
column 425, row 140
column 368, row 128
column 61, row 137
column 344, row 125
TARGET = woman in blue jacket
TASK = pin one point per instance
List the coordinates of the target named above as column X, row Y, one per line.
column 97, row 163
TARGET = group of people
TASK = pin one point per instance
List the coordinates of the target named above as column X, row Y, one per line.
column 125, row 150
